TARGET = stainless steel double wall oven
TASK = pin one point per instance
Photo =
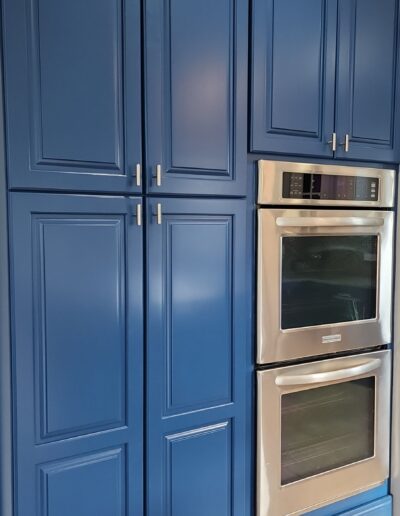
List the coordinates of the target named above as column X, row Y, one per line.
column 325, row 265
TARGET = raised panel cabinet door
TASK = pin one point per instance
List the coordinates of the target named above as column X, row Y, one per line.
column 293, row 76
column 77, row 343
column 199, row 426
column 196, row 96
column 73, row 94
column 367, row 80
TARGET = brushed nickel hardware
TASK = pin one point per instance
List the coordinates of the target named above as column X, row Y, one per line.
column 139, row 214
column 346, row 143
column 329, row 376
column 158, row 175
column 158, row 214
column 333, row 142
column 138, row 174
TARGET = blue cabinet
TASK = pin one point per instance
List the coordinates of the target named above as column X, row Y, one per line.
column 196, row 96
column 367, row 80
column 73, row 94
column 77, row 324
column 326, row 69
column 74, row 99
column 198, row 359
column 293, row 76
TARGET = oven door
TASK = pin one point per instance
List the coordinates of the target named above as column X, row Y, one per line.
column 323, row 432
column 324, row 282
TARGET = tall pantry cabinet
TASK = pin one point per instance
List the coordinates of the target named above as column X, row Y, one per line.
column 128, row 246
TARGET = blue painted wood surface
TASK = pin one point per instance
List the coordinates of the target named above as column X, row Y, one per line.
column 326, row 66
column 293, row 76
column 73, row 94
column 196, row 96
column 368, row 79
column 77, row 293
column 198, row 371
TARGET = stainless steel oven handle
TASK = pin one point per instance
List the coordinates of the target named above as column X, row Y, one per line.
column 300, row 222
column 328, row 376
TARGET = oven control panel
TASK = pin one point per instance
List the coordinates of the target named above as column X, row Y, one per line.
column 329, row 187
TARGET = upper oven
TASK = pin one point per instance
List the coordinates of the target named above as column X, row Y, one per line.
column 324, row 275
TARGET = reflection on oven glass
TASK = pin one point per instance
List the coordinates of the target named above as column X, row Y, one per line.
column 328, row 279
column 326, row 428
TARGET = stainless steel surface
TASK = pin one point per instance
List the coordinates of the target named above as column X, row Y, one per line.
column 275, row 344
column 158, row 175
column 139, row 214
column 138, row 174
column 333, row 142
column 346, row 143
column 395, row 443
column 270, row 175
column 328, row 376
column 301, row 496
column 304, row 222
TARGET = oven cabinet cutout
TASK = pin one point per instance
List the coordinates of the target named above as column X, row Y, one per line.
column 198, row 359
column 323, row 432
column 73, row 94
column 77, row 354
column 301, row 51
column 324, row 283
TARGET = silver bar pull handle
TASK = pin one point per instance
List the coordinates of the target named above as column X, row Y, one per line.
column 158, row 175
column 329, row 376
column 333, row 142
column 158, row 214
column 139, row 214
column 346, row 143
column 138, row 174
column 304, row 222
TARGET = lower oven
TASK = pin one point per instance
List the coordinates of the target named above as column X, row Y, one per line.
column 323, row 432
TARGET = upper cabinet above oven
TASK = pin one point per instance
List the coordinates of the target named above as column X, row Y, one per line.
column 324, row 78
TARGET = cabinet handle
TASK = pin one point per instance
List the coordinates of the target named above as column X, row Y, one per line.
column 158, row 214
column 346, row 143
column 158, row 175
column 138, row 174
column 139, row 214
column 333, row 142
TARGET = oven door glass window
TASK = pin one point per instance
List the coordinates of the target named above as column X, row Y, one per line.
column 328, row 280
column 326, row 428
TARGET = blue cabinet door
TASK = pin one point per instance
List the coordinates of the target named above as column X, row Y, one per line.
column 77, row 354
column 198, row 359
column 367, row 80
column 293, row 76
column 73, row 99
column 196, row 96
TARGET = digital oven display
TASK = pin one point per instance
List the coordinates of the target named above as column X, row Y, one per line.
column 330, row 187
